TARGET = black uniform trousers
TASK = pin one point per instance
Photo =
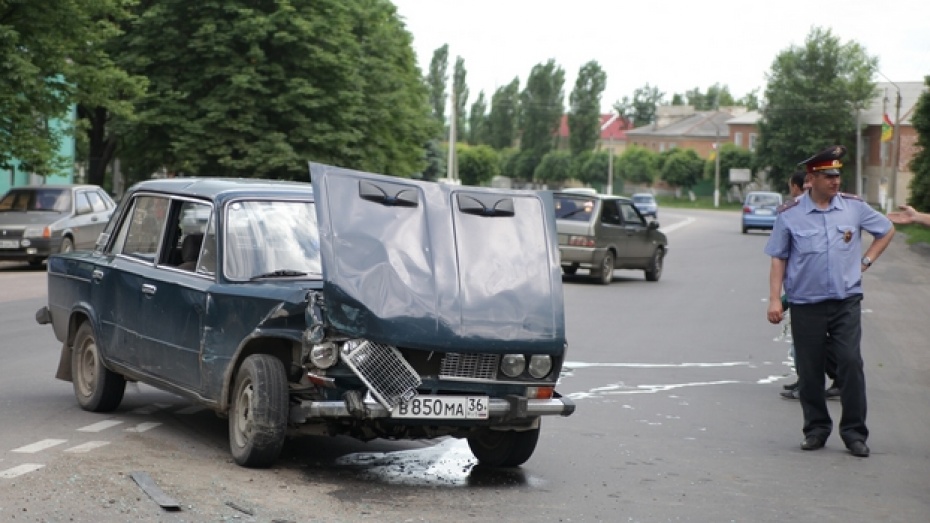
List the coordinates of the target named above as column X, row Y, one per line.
column 811, row 324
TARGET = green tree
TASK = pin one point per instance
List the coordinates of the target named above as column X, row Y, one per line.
column 504, row 116
column 638, row 165
column 731, row 157
column 478, row 164
column 716, row 96
column 460, row 85
column 555, row 167
column 584, row 118
column 436, row 80
column 591, row 168
column 642, row 109
column 750, row 100
column 681, row 167
column 478, row 121
column 920, row 163
column 53, row 57
column 541, row 105
column 256, row 90
column 810, row 98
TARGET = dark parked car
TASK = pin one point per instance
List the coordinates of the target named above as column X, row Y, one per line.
column 759, row 210
column 363, row 305
column 602, row 233
column 39, row 220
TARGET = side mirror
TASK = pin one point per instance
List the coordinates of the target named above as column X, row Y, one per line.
column 653, row 224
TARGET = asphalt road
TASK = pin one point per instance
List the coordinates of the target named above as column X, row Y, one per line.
column 678, row 418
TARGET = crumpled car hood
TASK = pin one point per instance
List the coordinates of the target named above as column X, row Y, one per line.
column 439, row 267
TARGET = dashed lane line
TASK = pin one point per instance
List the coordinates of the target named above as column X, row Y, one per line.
column 100, row 426
column 40, row 446
column 142, row 427
column 19, row 470
column 87, row 447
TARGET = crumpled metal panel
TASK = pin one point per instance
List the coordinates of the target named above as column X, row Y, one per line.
column 440, row 267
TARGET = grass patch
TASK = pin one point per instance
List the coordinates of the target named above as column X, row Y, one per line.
column 700, row 202
column 914, row 233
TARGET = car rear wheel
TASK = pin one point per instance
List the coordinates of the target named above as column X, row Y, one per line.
column 258, row 414
column 503, row 448
column 96, row 388
column 605, row 272
column 654, row 272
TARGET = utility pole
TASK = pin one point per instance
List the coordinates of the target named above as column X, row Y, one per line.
column 610, row 154
column 895, row 144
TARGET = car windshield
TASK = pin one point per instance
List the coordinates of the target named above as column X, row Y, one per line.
column 645, row 198
column 271, row 239
column 764, row 200
column 42, row 199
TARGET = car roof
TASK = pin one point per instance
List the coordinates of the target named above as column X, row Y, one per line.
column 55, row 186
column 585, row 196
column 223, row 188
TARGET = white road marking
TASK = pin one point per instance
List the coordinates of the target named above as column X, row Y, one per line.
column 99, row 426
column 87, row 447
column 19, row 470
column 142, row 427
column 678, row 225
column 40, row 446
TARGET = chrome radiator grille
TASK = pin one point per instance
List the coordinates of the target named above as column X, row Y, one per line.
column 390, row 379
column 469, row 366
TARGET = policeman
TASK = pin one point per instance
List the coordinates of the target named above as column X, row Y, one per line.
column 816, row 250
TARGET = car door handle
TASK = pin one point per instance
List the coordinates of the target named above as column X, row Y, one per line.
column 148, row 289
column 97, row 275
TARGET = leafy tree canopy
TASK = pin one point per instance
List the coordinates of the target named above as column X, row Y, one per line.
column 504, row 116
column 681, row 167
column 541, row 105
column 920, row 163
column 478, row 121
column 239, row 88
column 732, row 156
column 436, row 81
column 810, row 100
column 51, row 58
column 584, row 118
column 460, row 86
column 638, row 165
column 555, row 166
column 642, row 109
column 478, row 164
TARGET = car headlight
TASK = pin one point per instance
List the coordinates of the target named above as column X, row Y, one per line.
column 512, row 365
column 37, row 232
column 324, row 355
column 540, row 365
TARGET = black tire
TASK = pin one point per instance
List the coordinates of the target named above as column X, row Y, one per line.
column 258, row 412
column 96, row 388
column 503, row 448
column 570, row 269
column 654, row 272
column 67, row 245
column 605, row 272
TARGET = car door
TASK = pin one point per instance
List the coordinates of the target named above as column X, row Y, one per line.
column 637, row 244
column 609, row 228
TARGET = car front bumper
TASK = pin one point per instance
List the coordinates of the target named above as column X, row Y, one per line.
column 509, row 408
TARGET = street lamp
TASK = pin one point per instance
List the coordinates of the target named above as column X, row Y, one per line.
column 610, row 153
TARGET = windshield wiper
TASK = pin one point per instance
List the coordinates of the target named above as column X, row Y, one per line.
column 280, row 273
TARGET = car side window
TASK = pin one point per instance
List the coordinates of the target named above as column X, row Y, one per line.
column 96, row 202
column 140, row 234
column 610, row 214
column 630, row 216
column 81, row 204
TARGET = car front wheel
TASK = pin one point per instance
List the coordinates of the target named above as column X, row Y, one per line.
column 258, row 413
column 654, row 272
column 503, row 448
column 96, row 388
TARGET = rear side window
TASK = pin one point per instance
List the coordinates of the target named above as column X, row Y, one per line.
column 140, row 234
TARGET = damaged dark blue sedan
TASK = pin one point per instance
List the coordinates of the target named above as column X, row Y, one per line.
column 360, row 304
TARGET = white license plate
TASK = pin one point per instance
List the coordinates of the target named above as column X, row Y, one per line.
column 9, row 244
column 765, row 212
column 443, row 407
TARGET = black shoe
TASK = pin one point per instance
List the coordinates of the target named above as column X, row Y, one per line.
column 790, row 386
column 832, row 393
column 859, row 449
column 790, row 394
column 814, row 443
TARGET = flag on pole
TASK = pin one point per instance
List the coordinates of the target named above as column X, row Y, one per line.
column 887, row 129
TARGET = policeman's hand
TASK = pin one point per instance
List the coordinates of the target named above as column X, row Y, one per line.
column 775, row 312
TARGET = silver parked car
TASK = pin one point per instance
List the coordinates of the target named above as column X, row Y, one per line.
column 39, row 220
column 601, row 233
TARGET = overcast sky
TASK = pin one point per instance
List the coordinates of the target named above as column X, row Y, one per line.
column 675, row 45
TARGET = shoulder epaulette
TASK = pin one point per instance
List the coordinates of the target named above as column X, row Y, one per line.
column 785, row 206
column 850, row 196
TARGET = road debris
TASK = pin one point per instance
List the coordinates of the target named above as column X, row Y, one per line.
column 147, row 484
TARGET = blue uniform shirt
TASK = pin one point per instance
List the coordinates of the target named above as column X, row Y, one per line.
column 823, row 247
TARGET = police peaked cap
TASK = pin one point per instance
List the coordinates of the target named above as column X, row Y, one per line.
column 826, row 161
